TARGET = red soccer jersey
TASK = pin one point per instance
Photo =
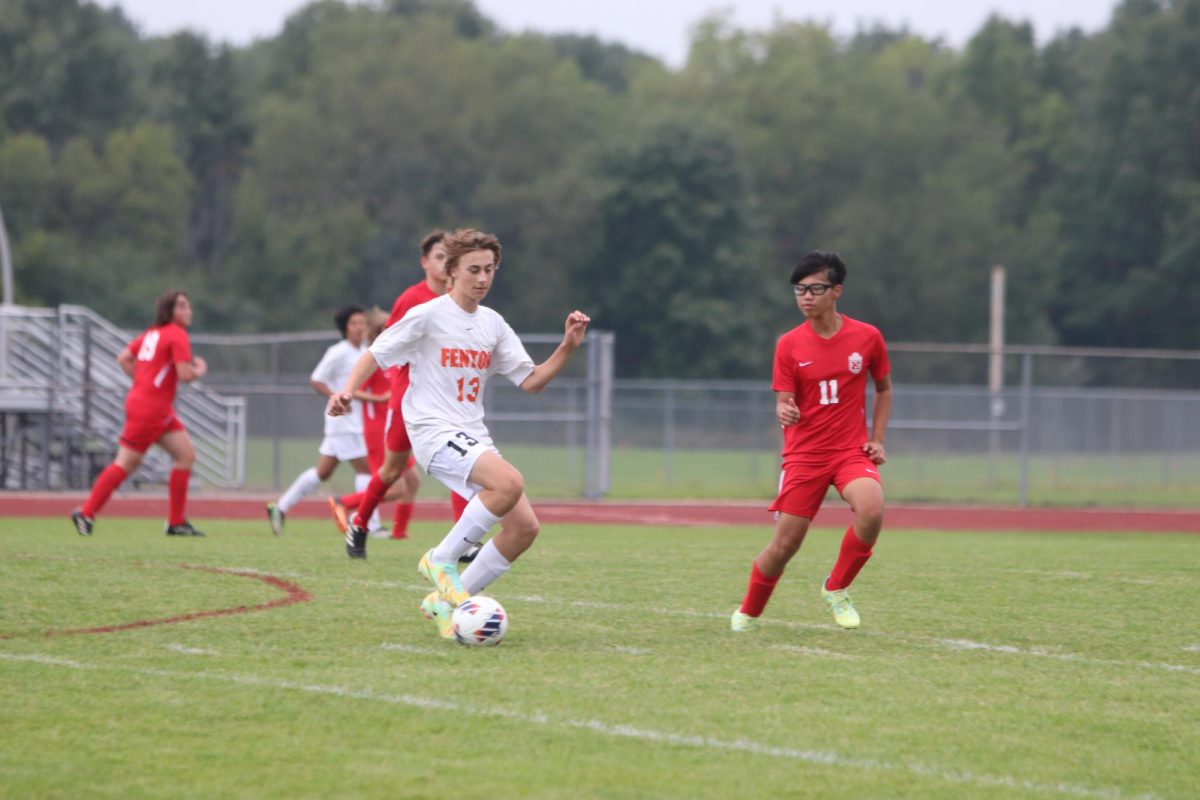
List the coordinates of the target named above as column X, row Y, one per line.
column 409, row 299
column 829, row 379
column 375, row 414
column 156, row 352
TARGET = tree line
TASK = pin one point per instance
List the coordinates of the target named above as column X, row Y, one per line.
column 279, row 180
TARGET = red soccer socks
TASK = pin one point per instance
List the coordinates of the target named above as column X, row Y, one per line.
column 851, row 558
column 758, row 592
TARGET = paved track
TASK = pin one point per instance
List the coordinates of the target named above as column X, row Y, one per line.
column 204, row 506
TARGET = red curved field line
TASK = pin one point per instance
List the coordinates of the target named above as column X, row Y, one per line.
column 295, row 594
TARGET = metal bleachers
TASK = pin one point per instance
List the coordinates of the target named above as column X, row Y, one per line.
column 62, row 399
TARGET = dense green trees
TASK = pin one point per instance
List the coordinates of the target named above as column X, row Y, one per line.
column 283, row 179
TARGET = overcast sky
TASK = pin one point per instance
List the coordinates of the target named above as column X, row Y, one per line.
column 659, row 27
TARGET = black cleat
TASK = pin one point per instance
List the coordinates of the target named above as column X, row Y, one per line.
column 469, row 556
column 277, row 518
column 83, row 525
column 356, row 541
column 184, row 529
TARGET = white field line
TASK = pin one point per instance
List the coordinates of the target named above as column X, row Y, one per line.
column 819, row 757
column 819, row 652
column 190, row 651
column 629, row 651
column 947, row 644
column 1082, row 576
column 414, row 649
column 1193, row 648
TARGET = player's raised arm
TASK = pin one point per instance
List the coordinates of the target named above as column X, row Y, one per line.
column 340, row 402
column 575, row 329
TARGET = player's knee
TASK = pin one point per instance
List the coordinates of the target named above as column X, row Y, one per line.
column 869, row 516
column 525, row 531
column 508, row 483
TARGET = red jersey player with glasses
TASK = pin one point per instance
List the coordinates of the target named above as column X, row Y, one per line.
column 820, row 384
column 156, row 361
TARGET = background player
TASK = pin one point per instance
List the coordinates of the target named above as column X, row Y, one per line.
column 398, row 462
column 343, row 436
column 156, row 361
column 453, row 345
column 820, row 384
column 376, row 393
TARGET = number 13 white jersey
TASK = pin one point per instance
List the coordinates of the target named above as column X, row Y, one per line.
column 451, row 354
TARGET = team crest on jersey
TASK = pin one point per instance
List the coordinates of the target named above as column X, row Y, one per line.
column 856, row 363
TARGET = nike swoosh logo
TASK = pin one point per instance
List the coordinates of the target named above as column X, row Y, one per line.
column 803, row 363
column 873, row 472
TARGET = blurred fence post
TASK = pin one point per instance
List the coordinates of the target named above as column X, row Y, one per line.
column 669, row 431
column 277, row 402
column 1026, row 421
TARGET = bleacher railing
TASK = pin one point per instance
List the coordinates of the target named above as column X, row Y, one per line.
column 62, row 399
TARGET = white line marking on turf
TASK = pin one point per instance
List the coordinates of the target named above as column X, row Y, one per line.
column 952, row 644
column 190, row 651
column 414, row 649
column 1041, row 652
column 811, row 651
column 1082, row 576
column 1193, row 648
column 630, row 651
column 821, row 757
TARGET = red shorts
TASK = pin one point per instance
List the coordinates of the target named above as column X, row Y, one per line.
column 397, row 435
column 802, row 485
column 143, row 430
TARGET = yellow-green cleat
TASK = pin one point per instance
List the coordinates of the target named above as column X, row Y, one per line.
column 444, row 578
column 843, row 610
column 438, row 610
column 742, row 623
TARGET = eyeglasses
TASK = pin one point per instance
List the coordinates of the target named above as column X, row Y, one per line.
column 815, row 289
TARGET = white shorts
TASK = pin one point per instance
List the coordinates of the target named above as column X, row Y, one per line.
column 344, row 446
column 452, row 462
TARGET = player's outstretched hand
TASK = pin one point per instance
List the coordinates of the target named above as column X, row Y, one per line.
column 576, row 328
column 875, row 452
column 339, row 404
column 787, row 412
column 201, row 366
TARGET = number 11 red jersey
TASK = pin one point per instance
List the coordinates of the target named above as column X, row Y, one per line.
column 829, row 379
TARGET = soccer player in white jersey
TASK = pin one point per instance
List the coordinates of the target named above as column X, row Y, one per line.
column 343, row 435
column 453, row 345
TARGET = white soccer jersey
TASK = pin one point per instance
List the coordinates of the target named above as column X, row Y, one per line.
column 333, row 371
column 451, row 354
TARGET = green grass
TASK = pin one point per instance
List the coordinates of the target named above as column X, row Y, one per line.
column 1131, row 480
column 988, row 666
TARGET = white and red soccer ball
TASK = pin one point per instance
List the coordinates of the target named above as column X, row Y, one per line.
column 480, row 622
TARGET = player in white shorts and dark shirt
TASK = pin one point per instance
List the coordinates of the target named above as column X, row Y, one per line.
column 343, row 435
column 452, row 346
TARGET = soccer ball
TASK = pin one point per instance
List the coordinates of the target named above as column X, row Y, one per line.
column 480, row 621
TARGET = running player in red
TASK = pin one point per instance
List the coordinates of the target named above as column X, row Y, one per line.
column 376, row 393
column 820, row 385
column 398, row 461
column 156, row 361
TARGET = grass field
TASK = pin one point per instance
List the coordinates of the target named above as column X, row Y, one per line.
column 1132, row 480
column 988, row 666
